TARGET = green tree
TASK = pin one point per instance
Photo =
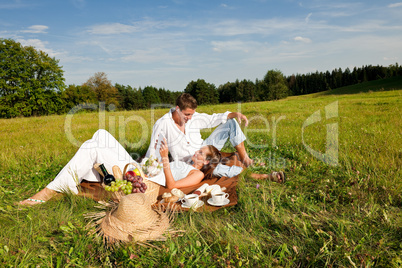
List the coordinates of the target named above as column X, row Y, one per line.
column 74, row 95
column 139, row 102
column 166, row 96
column 30, row 81
column 103, row 88
column 203, row 92
column 246, row 91
column 227, row 92
column 274, row 86
column 151, row 96
column 130, row 98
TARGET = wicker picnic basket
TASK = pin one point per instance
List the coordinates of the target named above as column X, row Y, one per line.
column 152, row 187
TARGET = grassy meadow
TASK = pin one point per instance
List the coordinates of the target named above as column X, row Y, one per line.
column 348, row 214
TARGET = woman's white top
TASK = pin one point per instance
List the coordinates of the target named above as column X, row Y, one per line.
column 180, row 169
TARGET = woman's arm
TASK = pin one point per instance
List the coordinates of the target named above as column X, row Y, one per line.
column 157, row 128
column 194, row 177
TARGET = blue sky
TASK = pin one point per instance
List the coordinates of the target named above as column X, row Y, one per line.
column 170, row 43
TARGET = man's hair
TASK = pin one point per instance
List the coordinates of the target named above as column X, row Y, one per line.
column 185, row 101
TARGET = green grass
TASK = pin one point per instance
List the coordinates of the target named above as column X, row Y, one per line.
column 348, row 215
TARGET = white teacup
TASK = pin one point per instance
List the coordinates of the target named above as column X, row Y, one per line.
column 190, row 199
column 219, row 197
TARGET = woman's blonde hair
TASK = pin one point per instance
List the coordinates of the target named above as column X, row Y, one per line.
column 214, row 158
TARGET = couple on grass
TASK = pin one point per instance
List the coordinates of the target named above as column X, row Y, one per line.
column 192, row 156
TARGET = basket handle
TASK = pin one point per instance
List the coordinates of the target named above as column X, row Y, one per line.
column 137, row 166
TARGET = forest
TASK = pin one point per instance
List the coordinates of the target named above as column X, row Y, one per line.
column 32, row 84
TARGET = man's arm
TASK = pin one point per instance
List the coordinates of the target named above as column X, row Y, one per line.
column 204, row 120
column 239, row 117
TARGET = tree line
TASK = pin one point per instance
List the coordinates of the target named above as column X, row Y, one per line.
column 32, row 84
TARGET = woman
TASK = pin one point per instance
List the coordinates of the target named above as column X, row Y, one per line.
column 104, row 148
column 180, row 174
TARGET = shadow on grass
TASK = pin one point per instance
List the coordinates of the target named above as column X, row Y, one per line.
column 394, row 83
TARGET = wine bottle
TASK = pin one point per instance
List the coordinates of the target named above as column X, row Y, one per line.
column 107, row 178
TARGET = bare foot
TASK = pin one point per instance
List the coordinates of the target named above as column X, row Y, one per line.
column 40, row 197
column 30, row 202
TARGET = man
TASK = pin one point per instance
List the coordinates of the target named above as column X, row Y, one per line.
column 181, row 127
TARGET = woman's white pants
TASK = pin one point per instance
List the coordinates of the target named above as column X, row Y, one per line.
column 102, row 148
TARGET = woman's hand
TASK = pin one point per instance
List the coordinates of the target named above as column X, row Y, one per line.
column 164, row 150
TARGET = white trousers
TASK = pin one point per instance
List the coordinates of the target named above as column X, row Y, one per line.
column 230, row 130
column 102, row 148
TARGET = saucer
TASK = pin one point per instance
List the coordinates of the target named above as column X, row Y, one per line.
column 225, row 202
column 200, row 203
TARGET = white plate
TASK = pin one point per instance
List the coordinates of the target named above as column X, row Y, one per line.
column 227, row 201
column 200, row 203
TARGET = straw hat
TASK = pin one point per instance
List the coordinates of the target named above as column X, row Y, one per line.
column 133, row 219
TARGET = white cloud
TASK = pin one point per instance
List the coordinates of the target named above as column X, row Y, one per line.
column 147, row 25
column 226, row 6
column 80, row 4
column 293, row 27
column 220, row 46
column 112, row 28
column 390, row 58
column 36, row 29
column 395, row 5
column 40, row 45
column 326, row 5
column 302, row 39
column 334, row 9
column 371, row 26
column 308, row 17
column 262, row 26
column 152, row 54
column 14, row 5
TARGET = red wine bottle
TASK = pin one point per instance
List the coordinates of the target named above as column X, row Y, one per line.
column 107, row 178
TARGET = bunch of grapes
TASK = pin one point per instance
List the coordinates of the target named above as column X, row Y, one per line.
column 131, row 183
column 123, row 185
column 137, row 182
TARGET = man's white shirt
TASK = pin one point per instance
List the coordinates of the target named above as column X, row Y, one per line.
column 181, row 145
